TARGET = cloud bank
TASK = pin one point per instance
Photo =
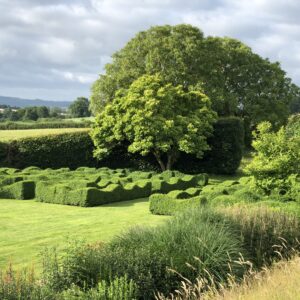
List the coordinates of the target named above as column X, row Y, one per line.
column 56, row 49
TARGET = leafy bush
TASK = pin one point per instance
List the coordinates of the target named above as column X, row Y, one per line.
column 119, row 288
column 277, row 158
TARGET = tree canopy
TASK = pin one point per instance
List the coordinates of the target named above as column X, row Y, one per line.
column 238, row 81
column 80, row 108
column 155, row 117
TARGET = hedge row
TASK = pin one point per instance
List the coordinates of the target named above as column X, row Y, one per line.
column 76, row 149
column 44, row 125
column 90, row 186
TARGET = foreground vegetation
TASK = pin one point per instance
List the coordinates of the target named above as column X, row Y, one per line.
column 279, row 282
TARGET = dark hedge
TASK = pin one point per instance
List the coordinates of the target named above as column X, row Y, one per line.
column 74, row 150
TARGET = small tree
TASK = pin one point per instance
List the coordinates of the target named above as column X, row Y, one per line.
column 155, row 117
column 80, row 108
column 276, row 163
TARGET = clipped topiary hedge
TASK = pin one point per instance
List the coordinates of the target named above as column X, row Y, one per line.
column 53, row 151
column 90, row 186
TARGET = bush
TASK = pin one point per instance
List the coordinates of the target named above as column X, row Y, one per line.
column 54, row 151
column 147, row 256
column 119, row 288
column 227, row 145
column 276, row 164
column 161, row 204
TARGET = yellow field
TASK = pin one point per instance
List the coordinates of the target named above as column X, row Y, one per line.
column 8, row 135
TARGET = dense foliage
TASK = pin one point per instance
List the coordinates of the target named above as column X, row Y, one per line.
column 276, row 163
column 227, row 147
column 225, row 155
column 155, row 118
column 52, row 151
column 238, row 81
column 80, row 108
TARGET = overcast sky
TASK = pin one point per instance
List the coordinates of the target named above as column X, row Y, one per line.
column 55, row 49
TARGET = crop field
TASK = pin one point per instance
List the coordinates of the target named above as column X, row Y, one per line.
column 26, row 227
column 8, row 135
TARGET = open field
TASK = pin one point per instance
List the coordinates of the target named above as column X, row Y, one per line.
column 26, row 227
column 8, row 135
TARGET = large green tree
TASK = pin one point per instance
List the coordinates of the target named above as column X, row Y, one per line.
column 80, row 108
column 155, row 117
column 238, row 81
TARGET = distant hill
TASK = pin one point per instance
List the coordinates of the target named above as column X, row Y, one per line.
column 19, row 102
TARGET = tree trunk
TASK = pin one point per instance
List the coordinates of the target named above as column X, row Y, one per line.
column 172, row 157
column 159, row 160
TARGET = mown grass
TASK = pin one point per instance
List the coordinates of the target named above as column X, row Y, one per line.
column 8, row 135
column 26, row 227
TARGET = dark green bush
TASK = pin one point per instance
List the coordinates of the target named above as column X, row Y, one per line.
column 227, row 145
column 52, row 151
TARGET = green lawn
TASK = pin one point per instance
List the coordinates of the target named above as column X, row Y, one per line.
column 26, row 227
column 7, row 135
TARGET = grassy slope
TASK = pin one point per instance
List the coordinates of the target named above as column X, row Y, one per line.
column 6, row 135
column 26, row 227
column 281, row 282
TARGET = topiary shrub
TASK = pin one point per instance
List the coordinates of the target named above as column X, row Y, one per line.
column 162, row 204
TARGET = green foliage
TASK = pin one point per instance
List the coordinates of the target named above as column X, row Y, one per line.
column 238, row 81
column 119, row 288
column 266, row 233
column 80, row 108
column 162, row 204
column 276, row 163
column 147, row 256
column 22, row 285
column 227, row 145
column 20, row 190
column 293, row 126
column 52, row 151
column 156, row 118
column 90, row 186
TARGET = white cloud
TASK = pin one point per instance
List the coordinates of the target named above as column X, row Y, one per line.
column 55, row 49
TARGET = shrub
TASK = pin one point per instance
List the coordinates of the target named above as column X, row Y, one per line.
column 161, row 204
column 22, row 285
column 227, row 144
column 119, row 288
column 54, row 151
column 277, row 158
column 21, row 190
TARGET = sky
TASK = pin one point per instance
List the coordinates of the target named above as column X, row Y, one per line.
column 55, row 50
